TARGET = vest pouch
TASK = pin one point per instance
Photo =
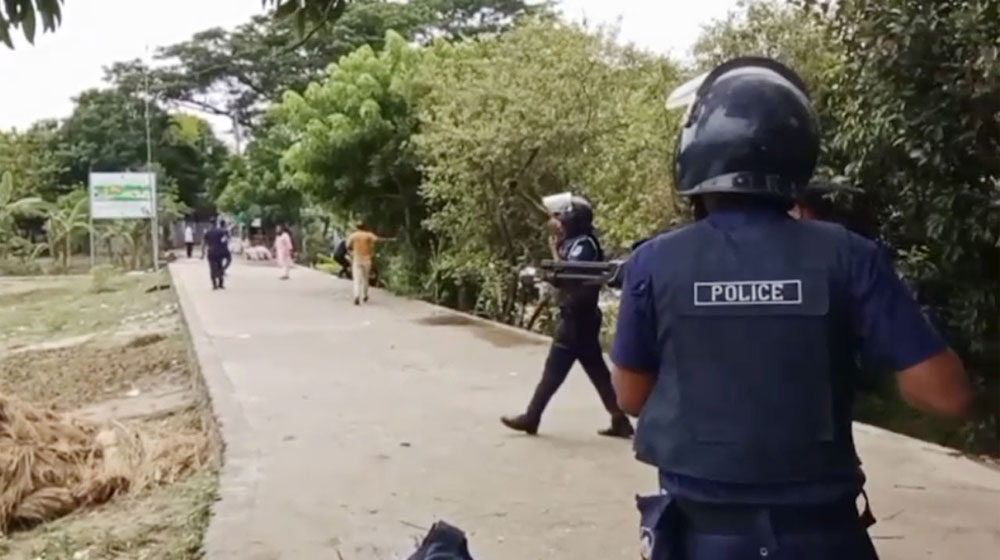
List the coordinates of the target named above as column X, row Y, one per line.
column 753, row 362
column 658, row 527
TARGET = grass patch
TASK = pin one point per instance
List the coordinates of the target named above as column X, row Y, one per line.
column 37, row 308
column 68, row 378
column 71, row 341
column 166, row 523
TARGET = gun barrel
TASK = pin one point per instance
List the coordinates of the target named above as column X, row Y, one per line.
column 594, row 273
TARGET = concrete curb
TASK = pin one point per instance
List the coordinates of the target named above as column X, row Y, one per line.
column 239, row 471
column 441, row 310
column 482, row 321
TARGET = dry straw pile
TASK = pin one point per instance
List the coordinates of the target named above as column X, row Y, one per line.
column 52, row 464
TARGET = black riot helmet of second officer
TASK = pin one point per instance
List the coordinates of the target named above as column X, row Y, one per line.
column 750, row 129
column 573, row 213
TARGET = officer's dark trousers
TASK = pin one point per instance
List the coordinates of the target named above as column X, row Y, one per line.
column 577, row 338
column 216, row 269
column 718, row 532
column 345, row 266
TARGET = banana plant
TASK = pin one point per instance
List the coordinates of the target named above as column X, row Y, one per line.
column 66, row 218
column 12, row 208
column 119, row 238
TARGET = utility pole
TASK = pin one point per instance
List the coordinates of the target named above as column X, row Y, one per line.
column 155, row 222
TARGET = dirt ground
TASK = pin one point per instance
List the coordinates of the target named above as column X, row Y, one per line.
column 110, row 354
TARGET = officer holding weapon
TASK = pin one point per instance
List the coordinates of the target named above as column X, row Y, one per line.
column 578, row 334
column 738, row 335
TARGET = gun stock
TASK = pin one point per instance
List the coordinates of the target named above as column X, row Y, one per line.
column 583, row 273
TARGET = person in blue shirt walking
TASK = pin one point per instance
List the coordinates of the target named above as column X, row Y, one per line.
column 738, row 334
column 216, row 241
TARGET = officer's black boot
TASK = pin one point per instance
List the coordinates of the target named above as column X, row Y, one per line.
column 521, row 423
column 557, row 366
column 620, row 427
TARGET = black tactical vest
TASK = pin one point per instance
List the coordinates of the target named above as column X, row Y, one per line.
column 575, row 299
column 757, row 369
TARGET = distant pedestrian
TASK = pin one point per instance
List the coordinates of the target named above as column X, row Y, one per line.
column 189, row 239
column 340, row 257
column 215, row 243
column 361, row 244
column 283, row 248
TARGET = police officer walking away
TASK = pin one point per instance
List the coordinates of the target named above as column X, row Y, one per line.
column 578, row 333
column 216, row 240
column 737, row 338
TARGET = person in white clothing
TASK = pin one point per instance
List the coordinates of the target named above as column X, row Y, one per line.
column 189, row 239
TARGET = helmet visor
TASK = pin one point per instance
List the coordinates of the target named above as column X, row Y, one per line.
column 558, row 203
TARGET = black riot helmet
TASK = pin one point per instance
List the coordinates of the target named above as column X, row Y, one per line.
column 750, row 129
column 573, row 211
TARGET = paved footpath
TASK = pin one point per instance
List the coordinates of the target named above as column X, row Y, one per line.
column 350, row 430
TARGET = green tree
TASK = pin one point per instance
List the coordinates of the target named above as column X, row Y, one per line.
column 236, row 73
column 106, row 132
column 777, row 30
column 917, row 109
column 31, row 159
column 309, row 12
column 352, row 138
column 541, row 109
column 257, row 186
column 25, row 15
column 11, row 208
column 67, row 217
column 191, row 154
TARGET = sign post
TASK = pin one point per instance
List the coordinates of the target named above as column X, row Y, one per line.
column 124, row 196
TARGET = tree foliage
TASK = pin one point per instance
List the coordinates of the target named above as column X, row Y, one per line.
column 352, row 137
column 542, row 109
column 30, row 157
column 778, row 30
column 257, row 187
column 67, row 217
column 12, row 207
column 909, row 95
column 26, row 16
column 917, row 109
column 107, row 132
column 237, row 73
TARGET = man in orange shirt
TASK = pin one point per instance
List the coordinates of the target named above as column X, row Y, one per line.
column 361, row 245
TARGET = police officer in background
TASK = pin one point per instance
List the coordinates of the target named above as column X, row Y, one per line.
column 737, row 336
column 216, row 241
column 578, row 333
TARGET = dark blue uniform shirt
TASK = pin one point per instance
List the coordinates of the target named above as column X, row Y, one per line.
column 575, row 299
column 582, row 248
column 217, row 240
column 892, row 331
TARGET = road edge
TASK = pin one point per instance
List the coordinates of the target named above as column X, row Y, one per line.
column 239, row 472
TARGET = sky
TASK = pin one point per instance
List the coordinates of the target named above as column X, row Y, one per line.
column 39, row 82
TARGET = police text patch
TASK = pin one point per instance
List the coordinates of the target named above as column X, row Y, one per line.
column 749, row 292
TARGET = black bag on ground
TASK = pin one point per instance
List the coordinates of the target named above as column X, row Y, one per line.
column 443, row 542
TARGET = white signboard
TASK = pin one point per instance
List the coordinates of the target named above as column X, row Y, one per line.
column 118, row 196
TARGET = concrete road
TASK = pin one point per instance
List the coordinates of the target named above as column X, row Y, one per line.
column 350, row 430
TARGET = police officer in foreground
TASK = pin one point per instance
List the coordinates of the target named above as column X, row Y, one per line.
column 578, row 333
column 737, row 336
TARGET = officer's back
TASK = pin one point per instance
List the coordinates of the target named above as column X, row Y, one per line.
column 774, row 293
column 737, row 338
